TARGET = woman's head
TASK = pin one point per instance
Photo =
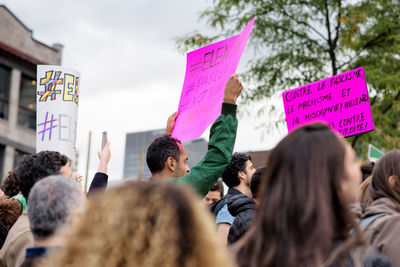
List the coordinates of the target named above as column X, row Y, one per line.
column 144, row 224
column 312, row 176
column 386, row 176
column 10, row 185
column 315, row 160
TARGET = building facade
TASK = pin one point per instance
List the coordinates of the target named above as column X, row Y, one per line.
column 20, row 53
column 135, row 166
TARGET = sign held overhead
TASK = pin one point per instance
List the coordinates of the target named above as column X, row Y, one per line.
column 341, row 100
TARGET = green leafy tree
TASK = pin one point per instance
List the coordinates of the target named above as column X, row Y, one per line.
column 296, row 42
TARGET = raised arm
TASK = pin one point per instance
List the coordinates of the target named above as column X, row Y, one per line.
column 220, row 146
column 100, row 180
column 171, row 123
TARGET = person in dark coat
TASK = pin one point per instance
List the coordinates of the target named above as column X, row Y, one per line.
column 242, row 208
column 237, row 176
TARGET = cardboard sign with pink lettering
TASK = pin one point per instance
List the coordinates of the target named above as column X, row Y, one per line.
column 341, row 100
column 207, row 70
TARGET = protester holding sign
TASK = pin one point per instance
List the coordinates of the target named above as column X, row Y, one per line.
column 30, row 170
column 57, row 109
column 167, row 158
column 207, row 70
column 341, row 100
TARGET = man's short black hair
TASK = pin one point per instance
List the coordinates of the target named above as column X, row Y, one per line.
column 159, row 151
column 36, row 167
column 255, row 181
column 237, row 164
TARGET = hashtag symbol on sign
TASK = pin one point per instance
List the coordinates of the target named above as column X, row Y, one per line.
column 76, row 96
column 45, row 128
column 50, row 85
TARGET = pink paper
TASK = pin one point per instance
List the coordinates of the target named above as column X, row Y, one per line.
column 341, row 100
column 207, row 70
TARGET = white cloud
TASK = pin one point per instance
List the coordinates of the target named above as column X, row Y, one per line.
column 131, row 72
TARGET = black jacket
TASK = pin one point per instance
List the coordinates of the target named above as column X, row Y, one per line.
column 99, row 183
column 242, row 208
column 218, row 206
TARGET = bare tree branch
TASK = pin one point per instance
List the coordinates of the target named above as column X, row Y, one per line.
column 339, row 16
column 284, row 12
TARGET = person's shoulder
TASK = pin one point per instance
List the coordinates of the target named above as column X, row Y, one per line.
column 223, row 210
column 375, row 259
column 240, row 201
column 217, row 206
column 223, row 215
column 21, row 226
column 20, row 233
column 362, row 256
column 388, row 221
column 18, row 239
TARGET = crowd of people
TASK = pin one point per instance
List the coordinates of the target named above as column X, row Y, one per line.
column 312, row 204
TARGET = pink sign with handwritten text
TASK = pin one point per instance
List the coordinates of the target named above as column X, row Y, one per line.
column 341, row 100
column 207, row 70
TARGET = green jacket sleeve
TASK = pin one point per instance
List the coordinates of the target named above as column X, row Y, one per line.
column 220, row 148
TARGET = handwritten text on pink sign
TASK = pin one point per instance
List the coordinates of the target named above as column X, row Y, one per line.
column 341, row 100
column 207, row 70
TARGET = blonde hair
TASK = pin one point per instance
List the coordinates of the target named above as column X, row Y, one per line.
column 143, row 224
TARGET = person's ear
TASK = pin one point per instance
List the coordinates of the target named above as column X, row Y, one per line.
column 241, row 175
column 171, row 164
column 393, row 182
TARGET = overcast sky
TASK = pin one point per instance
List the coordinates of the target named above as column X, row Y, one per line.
column 131, row 71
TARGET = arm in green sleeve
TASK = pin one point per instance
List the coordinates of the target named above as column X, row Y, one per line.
column 220, row 148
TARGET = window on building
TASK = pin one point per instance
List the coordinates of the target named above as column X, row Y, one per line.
column 27, row 103
column 18, row 156
column 4, row 91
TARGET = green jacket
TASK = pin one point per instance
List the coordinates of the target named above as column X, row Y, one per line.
column 220, row 148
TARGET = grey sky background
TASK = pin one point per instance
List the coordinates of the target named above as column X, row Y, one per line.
column 131, row 71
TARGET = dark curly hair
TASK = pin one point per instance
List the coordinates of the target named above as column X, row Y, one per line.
column 36, row 167
column 237, row 164
column 159, row 151
column 10, row 209
column 10, row 185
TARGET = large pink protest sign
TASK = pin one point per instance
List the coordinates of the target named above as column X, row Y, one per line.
column 341, row 100
column 207, row 70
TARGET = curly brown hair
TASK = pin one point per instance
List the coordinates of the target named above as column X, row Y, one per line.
column 144, row 224
column 10, row 210
column 10, row 185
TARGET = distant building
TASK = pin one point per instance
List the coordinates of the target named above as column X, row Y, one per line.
column 196, row 150
column 20, row 53
column 136, row 145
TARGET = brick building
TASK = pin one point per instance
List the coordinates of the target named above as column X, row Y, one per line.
column 19, row 55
